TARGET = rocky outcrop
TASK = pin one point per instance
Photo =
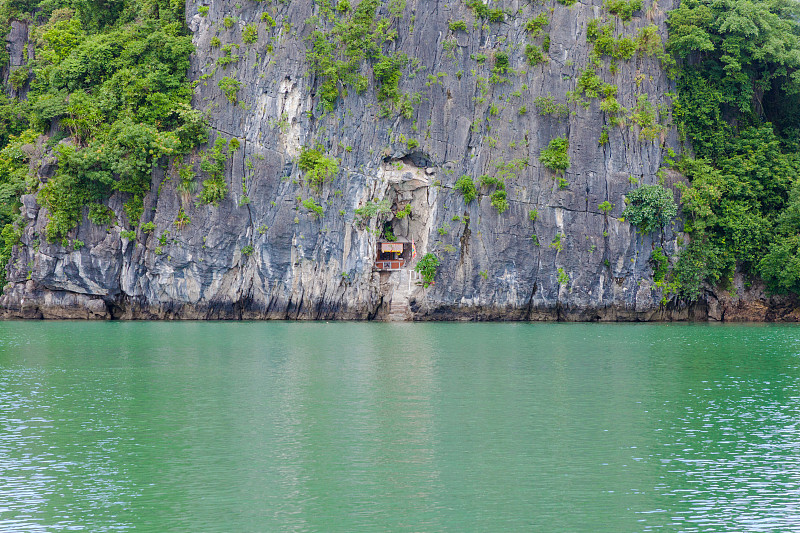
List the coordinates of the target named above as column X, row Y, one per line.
column 261, row 254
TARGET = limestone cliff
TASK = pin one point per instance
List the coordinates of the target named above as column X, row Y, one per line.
column 553, row 254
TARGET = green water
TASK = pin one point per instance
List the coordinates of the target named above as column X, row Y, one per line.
column 239, row 427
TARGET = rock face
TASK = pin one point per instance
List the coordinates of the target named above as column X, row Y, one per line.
column 261, row 254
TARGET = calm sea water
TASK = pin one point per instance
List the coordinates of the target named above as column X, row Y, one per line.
column 340, row 427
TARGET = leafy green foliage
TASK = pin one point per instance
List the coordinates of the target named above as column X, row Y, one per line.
column 467, row 188
column 371, row 209
column 182, row 219
column 9, row 237
column 605, row 207
column 650, row 208
column 100, row 214
column 646, row 117
column 660, row 264
column 250, row 34
column 483, row 11
column 606, row 44
column 336, row 55
column 624, row 9
column 317, row 166
column 588, row 85
column 230, row 87
column 113, row 76
column 547, row 105
column 557, row 242
column 212, row 162
column 746, row 48
column 388, row 71
column 457, row 25
column 403, row 213
column 214, row 191
column 316, row 209
column 534, row 25
column 500, row 200
column 427, row 266
column 738, row 99
column 14, row 163
column 534, row 55
column 555, row 156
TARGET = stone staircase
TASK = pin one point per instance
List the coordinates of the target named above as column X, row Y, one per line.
column 402, row 285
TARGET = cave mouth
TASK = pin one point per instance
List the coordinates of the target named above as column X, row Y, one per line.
column 416, row 158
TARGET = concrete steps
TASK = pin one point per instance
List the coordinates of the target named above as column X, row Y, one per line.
column 403, row 283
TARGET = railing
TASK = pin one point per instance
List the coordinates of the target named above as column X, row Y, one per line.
column 413, row 278
column 390, row 264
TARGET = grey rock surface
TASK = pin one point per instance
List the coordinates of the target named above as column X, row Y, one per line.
column 493, row 266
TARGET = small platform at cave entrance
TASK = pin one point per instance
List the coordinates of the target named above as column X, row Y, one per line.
column 394, row 255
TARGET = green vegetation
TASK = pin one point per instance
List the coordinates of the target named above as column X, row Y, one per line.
column 371, row 209
column 485, row 12
column 646, row 117
column 212, row 162
column 315, row 209
column 534, row 55
column 547, row 105
column 606, row 44
column 605, row 207
column 182, row 219
column 499, row 200
column 318, row 167
column 250, row 34
column 230, row 87
column 505, row 170
column 228, row 57
column 660, row 264
column 557, row 244
column 467, row 188
column 534, row 25
column 457, row 25
column 555, row 156
column 403, row 213
column 650, row 208
column 502, row 65
column 337, row 54
column 624, row 9
column 739, row 106
column 113, row 78
column 427, row 266
column 563, row 277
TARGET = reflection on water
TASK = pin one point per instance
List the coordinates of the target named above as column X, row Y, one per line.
column 409, row 427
